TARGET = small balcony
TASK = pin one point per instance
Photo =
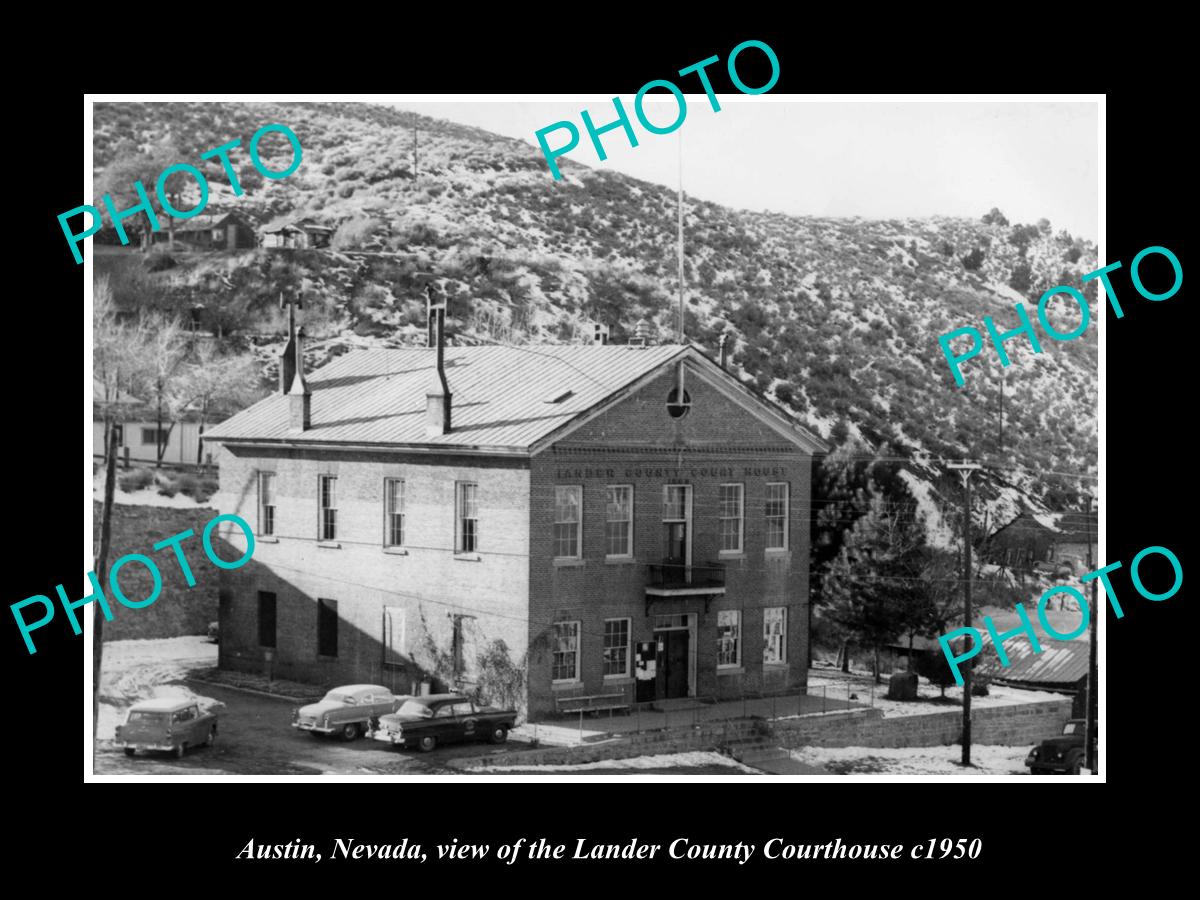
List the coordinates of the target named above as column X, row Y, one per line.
column 670, row 580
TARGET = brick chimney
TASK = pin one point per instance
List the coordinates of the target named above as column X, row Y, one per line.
column 437, row 397
column 287, row 359
column 299, row 396
column 723, row 343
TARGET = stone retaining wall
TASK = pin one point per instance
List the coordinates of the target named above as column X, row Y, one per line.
column 1025, row 723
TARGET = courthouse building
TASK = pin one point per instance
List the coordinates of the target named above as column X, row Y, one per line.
column 414, row 507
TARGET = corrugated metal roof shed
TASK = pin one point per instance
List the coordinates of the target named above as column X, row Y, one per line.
column 503, row 396
column 1060, row 662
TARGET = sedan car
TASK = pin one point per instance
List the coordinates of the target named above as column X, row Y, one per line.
column 346, row 710
column 170, row 724
column 1062, row 753
column 434, row 719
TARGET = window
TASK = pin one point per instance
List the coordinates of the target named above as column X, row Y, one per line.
column 731, row 525
column 618, row 525
column 616, row 647
column 327, row 627
column 463, row 708
column 266, row 619
column 729, row 649
column 393, row 512
column 154, row 435
column 568, row 539
column 266, row 502
column 328, row 498
column 445, row 711
column 565, row 666
column 675, row 497
column 120, row 430
column 775, row 635
column 467, row 530
column 393, row 636
column 218, row 234
column 675, row 409
column 777, row 516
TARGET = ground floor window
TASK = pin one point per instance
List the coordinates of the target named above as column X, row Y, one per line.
column 616, row 646
column 327, row 627
column 393, row 635
column 775, row 635
column 266, row 619
column 729, row 644
column 565, row 666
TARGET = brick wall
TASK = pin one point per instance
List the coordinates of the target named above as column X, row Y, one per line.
column 429, row 581
column 179, row 610
column 723, row 444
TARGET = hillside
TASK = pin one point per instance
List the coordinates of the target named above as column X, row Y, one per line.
column 836, row 319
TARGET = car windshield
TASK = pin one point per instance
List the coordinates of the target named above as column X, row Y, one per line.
column 415, row 708
column 140, row 716
column 338, row 697
column 1071, row 728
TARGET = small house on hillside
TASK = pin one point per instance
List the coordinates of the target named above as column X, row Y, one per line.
column 1078, row 535
column 220, row 231
column 1019, row 544
column 301, row 234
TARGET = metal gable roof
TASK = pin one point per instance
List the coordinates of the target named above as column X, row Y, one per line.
column 504, row 398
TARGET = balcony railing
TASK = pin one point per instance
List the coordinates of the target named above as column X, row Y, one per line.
column 677, row 577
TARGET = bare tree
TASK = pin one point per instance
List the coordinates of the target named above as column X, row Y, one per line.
column 163, row 352
column 212, row 382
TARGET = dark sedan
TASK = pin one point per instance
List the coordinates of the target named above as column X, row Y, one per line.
column 434, row 719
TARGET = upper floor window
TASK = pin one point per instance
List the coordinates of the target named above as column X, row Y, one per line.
column 731, row 523
column 327, row 491
column 568, row 536
column 266, row 502
column 393, row 512
column 618, row 525
column 777, row 516
column 466, row 538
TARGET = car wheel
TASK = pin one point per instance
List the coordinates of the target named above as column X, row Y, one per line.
column 427, row 743
column 179, row 748
column 129, row 751
column 499, row 735
column 350, row 731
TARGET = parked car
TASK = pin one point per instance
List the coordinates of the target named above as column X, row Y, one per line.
column 425, row 722
column 346, row 710
column 170, row 724
column 1063, row 753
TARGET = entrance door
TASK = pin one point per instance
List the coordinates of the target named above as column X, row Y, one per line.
column 673, row 664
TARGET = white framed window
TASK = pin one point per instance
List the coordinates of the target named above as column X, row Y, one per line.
column 616, row 647
column 568, row 509
column 266, row 502
column 327, row 495
column 729, row 638
column 775, row 635
column 466, row 538
column 393, row 512
column 732, row 519
column 618, row 524
column 394, row 647
column 777, row 516
column 565, row 665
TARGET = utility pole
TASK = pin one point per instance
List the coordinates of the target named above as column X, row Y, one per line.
column 1002, row 374
column 414, row 151
column 965, row 471
column 1092, row 750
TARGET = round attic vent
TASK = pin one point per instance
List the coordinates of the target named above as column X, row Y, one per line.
column 676, row 409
